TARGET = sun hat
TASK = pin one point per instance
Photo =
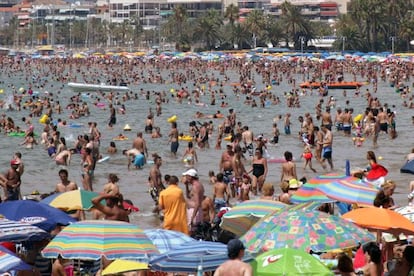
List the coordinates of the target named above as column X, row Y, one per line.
column 191, row 172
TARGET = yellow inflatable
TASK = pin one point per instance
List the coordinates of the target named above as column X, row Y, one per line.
column 43, row 119
column 228, row 138
column 172, row 119
column 358, row 118
column 187, row 138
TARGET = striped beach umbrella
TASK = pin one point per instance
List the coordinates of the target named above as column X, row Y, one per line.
column 308, row 193
column 92, row 239
column 16, row 231
column 244, row 215
column 194, row 257
column 165, row 240
column 353, row 192
column 10, row 262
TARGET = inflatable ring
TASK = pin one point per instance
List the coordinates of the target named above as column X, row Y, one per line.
column 172, row 119
column 227, row 138
column 43, row 119
column 120, row 138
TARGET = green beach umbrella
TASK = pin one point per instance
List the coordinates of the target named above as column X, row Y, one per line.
column 287, row 262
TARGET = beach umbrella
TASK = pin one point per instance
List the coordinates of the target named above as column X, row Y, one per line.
column 244, row 215
column 41, row 215
column 406, row 211
column 72, row 200
column 92, row 239
column 308, row 193
column 197, row 256
column 165, row 240
column 10, row 262
column 288, row 262
column 352, row 192
column 380, row 219
column 16, row 231
column 306, row 230
column 121, row 266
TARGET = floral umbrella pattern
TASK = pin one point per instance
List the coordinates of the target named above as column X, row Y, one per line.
column 306, row 230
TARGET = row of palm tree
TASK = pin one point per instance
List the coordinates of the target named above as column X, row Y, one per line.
column 369, row 25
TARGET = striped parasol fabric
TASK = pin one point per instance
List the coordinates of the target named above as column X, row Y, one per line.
column 244, row 215
column 308, row 193
column 10, row 262
column 166, row 240
column 91, row 239
column 16, row 231
column 197, row 256
column 353, row 192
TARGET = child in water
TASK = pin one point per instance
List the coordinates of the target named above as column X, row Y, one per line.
column 359, row 139
column 307, row 155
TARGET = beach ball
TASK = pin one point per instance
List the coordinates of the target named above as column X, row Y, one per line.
column 269, row 87
column 1, row 91
column 172, row 90
column 21, row 89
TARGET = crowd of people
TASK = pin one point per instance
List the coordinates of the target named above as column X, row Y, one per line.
column 242, row 155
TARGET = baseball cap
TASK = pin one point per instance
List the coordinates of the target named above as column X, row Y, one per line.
column 234, row 246
column 294, row 184
column 14, row 162
column 191, row 172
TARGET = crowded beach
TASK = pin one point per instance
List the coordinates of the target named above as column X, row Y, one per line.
column 235, row 161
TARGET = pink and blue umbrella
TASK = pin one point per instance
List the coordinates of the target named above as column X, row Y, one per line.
column 16, row 231
column 165, row 240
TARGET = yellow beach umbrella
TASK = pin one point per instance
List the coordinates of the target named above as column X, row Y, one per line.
column 120, row 266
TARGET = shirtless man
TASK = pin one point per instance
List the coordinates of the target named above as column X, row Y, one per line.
column 382, row 117
column 11, row 182
column 18, row 158
column 173, row 138
column 113, row 209
column 155, row 180
column 226, row 163
column 65, row 185
column 234, row 266
column 327, row 147
column 247, row 138
column 326, row 118
column 221, row 193
column 140, row 144
column 134, row 157
column 195, row 197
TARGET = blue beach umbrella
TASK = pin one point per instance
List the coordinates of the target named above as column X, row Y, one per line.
column 35, row 213
column 165, row 240
column 197, row 256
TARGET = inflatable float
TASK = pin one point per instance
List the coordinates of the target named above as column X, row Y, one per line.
column 44, row 119
column 16, row 134
column 172, row 119
column 408, row 167
column 358, row 118
column 75, row 125
column 120, row 138
column 227, row 138
column 333, row 85
column 127, row 128
column 187, row 138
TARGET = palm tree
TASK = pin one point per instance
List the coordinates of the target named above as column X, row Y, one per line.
column 240, row 36
column 207, row 28
column 176, row 28
column 294, row 24
column 273, row 31
column 232, row 14
column 255, row 24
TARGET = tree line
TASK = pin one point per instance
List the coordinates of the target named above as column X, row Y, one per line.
column 369, row 25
